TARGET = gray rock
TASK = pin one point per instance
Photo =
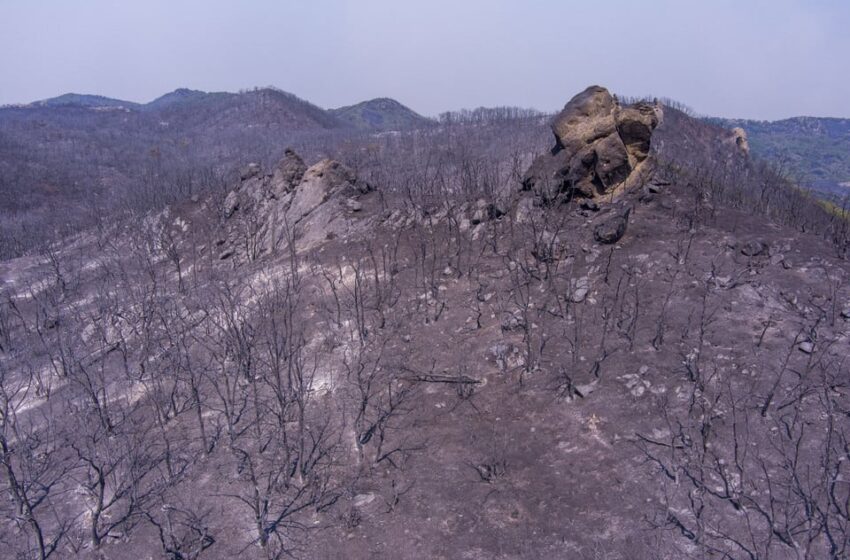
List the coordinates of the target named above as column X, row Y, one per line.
column 231, row 204
column 485, row 211
column 226, row 254
column 580, row 289
column 480, row 213
column 584, row 390
column 250, row 170
column 353, row 205
column 806, row 347
column 612, row 228
column 361, row 500
column 753, row 248
column 524, row 210
column 512, row 322
column 319, row 182
column 507, row 356
column 578, row 295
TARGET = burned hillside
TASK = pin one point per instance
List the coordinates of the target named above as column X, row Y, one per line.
column 628, row 346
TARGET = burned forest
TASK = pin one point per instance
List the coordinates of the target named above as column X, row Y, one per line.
column 607, row 333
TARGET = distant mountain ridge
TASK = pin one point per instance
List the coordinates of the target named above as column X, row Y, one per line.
column 180, row 95
column 83, row 100
column 380, row 114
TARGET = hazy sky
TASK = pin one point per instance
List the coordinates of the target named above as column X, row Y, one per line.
column 738, row 58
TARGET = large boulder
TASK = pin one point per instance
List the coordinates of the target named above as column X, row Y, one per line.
column 599, row 146
column 612, row 227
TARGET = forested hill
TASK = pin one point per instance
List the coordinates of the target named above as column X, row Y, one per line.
column 816, row 151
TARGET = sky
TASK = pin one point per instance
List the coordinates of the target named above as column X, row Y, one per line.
column 762, row 59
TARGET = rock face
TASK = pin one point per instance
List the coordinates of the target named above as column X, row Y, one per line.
column 317, row 185
column 308, row 203
column 599, row 146
column 289, row 171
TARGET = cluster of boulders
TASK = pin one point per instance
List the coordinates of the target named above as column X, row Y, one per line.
column 293, row 200
column 600, row 147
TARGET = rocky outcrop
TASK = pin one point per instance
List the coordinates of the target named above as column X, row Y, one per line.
column 741, row 139
column 318, row 184
column 292, row 202
column 599, row 147
column 289, row 171
column 250, row 170
column 231, row 203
